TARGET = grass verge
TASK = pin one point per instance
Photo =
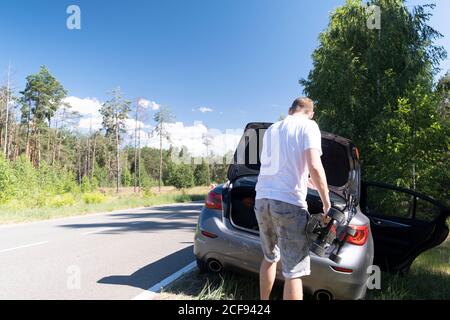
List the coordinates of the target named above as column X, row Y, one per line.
column 93, row 203
column 429, row 278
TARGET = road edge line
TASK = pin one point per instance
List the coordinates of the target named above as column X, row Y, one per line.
column 150, row 293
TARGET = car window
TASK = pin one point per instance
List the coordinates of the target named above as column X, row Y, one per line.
column 426, row 211
column 389, row 203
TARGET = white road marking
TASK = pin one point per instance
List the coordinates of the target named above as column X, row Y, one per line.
column 91, row 232
column 90, row 215
column 151, row 293
column 24, row 246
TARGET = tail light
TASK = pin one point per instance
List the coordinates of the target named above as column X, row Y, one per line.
column 361, row 235
column 213, row 200
column 209, row 234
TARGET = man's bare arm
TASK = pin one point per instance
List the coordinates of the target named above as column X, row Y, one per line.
column 318, row 177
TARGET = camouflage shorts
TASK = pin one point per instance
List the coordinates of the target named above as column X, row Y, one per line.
column 282, row 228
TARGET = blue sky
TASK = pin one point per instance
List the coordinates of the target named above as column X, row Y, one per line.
column 242, row 59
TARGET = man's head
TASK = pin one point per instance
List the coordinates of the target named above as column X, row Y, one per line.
column 302, row 105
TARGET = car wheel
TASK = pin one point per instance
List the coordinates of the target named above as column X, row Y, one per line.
column 202, row 266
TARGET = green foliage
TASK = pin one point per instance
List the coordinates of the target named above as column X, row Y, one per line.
column 6, row 180
column 27, row 178
column 94, row 197
column 85, row 185
column 114, row 113
column 127, row 179
column 181, row 176
column 201, row 175
column 59, row 201
column 101, row 176
column 147, row 183
column 376, row 88
column 42, row 97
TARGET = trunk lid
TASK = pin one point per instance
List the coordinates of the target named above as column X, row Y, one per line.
column 339, row 159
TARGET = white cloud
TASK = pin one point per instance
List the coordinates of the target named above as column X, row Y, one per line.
column 205, row 109
column 155, row 106
column 192, row 137
column 181, row 135
column 86, row 106
column 89, row 110
column 87, row 123
column 143, row 103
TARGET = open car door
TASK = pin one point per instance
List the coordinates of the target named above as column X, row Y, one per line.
column 404, row 224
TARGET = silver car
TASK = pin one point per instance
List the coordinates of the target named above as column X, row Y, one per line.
column 392, row 225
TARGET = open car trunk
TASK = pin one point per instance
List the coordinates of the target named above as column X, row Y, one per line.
column 242, row 208
column 242, row 202
column 340, row 161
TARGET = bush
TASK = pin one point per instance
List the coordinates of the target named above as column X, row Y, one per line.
column 61, row 201
column 147, row 183
column 201, row 175
column 94, row 197
column 181, row 176
column 7, row 181
column 85, row 185
column 127, row 179
column 27, row 181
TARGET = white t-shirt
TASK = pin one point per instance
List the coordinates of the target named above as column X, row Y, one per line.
column 284, row 173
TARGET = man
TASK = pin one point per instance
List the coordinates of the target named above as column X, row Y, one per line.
column 291, row 151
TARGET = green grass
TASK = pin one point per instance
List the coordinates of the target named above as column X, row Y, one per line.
column 207, row 286
column 72, row 205
column 429, row 278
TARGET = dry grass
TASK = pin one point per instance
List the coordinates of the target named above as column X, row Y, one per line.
column 429, row 278
column 112, row 201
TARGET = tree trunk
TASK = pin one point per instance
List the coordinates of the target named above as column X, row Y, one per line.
column 27, row 145
column 160, row 157
column 139, row 161
column 5, row 150
column 117, row 154
column 93, row 157
column 135, row 147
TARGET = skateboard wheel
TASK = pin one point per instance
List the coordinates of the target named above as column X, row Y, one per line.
column 335, row 258
column 350, row 231
column 336, row 215
column 318, row 250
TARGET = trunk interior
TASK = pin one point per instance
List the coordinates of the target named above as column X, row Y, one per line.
column 242, row 212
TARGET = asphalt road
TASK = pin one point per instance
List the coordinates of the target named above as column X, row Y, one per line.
column 104, row 256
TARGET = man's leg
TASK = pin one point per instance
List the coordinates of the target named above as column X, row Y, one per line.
column 269, row 247
column 293, row 289
column 291, row 221
column 267, row 274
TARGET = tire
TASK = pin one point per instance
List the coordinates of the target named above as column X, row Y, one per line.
column 350, row 231
column 336, row 215
column 202, row 266
column 318, row 250
column 312, row 224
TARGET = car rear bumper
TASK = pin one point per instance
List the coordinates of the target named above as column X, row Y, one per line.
column 235, row 249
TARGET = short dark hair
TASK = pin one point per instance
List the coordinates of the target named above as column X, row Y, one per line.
column 301, row 103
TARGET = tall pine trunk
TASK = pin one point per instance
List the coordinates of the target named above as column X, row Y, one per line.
column 160, row 157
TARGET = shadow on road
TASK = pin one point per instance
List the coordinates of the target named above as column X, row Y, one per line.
column 153, row 273
column 178, row 218
column 190, row 210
